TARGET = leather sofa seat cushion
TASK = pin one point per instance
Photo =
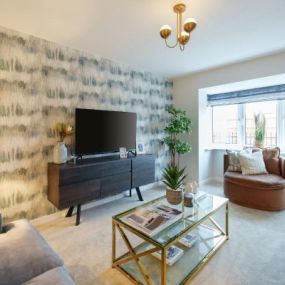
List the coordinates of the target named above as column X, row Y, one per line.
column 263, row 181
column 56, row 276
column 24, row 254
column 271, row 160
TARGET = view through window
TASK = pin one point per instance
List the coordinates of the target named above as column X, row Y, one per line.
column 235, row 123
column 225, row 124
column 269, row 109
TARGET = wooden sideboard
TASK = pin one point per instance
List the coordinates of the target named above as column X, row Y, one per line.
column 71, row 185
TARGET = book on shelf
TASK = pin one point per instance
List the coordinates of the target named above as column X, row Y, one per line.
column 152, row 219
column 189, row 240
column 173, row 254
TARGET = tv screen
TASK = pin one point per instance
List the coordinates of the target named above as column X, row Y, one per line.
column 98, row 131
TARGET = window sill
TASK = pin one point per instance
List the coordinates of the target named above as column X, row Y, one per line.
column 223, row 147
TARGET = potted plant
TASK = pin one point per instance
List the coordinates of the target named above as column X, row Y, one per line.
column 60, row 150
column 259, row 120
column 179, row 125
column 173, row 178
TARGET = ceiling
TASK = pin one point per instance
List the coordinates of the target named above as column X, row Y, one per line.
column 127, row 31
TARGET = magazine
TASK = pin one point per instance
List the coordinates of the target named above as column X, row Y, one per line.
column 172, row 255
column 152, row 219
column 189, row 240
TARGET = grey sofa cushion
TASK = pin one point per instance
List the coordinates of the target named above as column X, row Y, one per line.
column 56, row 276
column 24, row 254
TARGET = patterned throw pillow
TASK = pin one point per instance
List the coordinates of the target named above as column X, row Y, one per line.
column 234, row 164
column 252, row 163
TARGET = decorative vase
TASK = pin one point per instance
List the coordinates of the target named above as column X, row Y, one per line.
column 188, row 199
column 59, row 153
column 259, row 144
column 173, row 197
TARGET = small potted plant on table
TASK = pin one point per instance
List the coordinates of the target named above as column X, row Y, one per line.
column 173, row 176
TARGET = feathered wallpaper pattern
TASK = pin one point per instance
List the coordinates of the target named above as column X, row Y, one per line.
column 41, row 83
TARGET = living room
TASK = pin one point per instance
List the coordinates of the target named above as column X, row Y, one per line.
column 115, row 113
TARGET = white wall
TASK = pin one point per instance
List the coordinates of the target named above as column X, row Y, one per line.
column 202, row 164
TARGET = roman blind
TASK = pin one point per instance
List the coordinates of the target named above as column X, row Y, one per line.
column 269, row 93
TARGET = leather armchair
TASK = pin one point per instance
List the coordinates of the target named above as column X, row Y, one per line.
column 264, row 191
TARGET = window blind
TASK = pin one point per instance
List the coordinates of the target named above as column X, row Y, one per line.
column 269, row 93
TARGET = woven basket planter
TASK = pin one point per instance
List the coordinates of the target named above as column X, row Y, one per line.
column 174, row 197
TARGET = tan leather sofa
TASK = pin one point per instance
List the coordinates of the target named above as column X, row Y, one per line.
column 264, row 191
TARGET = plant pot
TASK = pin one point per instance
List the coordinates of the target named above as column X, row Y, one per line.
column 59, row 153
column 259, row 144
column 173, row 197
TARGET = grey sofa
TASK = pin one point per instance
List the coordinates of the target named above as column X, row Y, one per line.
column 26, row 258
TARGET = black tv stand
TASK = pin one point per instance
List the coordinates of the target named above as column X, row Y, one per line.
column 71, row 185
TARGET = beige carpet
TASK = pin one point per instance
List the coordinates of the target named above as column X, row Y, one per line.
column 254, row 255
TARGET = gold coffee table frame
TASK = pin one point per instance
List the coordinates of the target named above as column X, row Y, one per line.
column 122, row 228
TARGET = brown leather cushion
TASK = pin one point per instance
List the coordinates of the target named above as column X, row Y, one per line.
column 263, row 181
column 271, row 160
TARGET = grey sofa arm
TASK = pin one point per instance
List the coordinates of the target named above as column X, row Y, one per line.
column 24, row 254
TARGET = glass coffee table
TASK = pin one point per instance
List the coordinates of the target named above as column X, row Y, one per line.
column 141, row 267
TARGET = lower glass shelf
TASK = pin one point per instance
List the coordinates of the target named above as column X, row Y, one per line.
column 193, row 258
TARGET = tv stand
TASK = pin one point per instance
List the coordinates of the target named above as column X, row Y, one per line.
column 72, row 185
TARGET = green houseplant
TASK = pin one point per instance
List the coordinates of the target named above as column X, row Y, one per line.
column 260, row 123
column 173, row 178
column 178, row 126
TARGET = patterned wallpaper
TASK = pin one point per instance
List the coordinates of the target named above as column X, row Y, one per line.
column 41, row 83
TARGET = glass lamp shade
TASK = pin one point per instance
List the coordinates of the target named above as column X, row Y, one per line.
column 184, row 38
column 165, row 31
column 190, row 24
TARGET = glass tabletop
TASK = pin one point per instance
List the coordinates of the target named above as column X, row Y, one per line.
column 204, row 205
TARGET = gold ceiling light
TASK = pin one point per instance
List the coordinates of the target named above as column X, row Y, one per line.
column 182, row 32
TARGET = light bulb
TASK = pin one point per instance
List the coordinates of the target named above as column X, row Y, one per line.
column 165, row 31
column 190, row 24
column 184, row 38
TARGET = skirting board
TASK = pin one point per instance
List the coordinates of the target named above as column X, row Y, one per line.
column 211, row 180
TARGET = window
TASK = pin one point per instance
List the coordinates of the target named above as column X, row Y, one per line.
column 225, row 124
column 234, row 124
column 269, row 109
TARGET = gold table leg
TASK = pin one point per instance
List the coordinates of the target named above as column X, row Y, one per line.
column 227, row 220
column 163, row 266
column 135, row 257
column 113, row 242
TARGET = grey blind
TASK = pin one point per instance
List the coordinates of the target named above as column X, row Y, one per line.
column 276, row 92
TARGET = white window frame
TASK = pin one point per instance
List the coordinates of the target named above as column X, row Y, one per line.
column 280, row 121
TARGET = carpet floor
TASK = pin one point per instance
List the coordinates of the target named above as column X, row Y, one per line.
column 254, row 254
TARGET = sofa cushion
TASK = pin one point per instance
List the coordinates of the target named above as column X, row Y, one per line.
column 24, row 254
column 56, row 276
column 252, row 163
column 264, row 181
column 234, row 163
column 271, row 160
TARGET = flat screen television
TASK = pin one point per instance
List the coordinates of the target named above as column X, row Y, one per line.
column 98, row 131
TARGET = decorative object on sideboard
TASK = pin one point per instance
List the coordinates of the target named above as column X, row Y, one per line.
column 182, row 32
column 179, row 125
column 260, row 122
column 140, row 148
column 60, row 149
column 123, row 152
column 174, row 178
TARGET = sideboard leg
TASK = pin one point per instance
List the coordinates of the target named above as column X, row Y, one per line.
column 78, row 213
column 130, row 192
column 70, row 211
column 139, row 193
